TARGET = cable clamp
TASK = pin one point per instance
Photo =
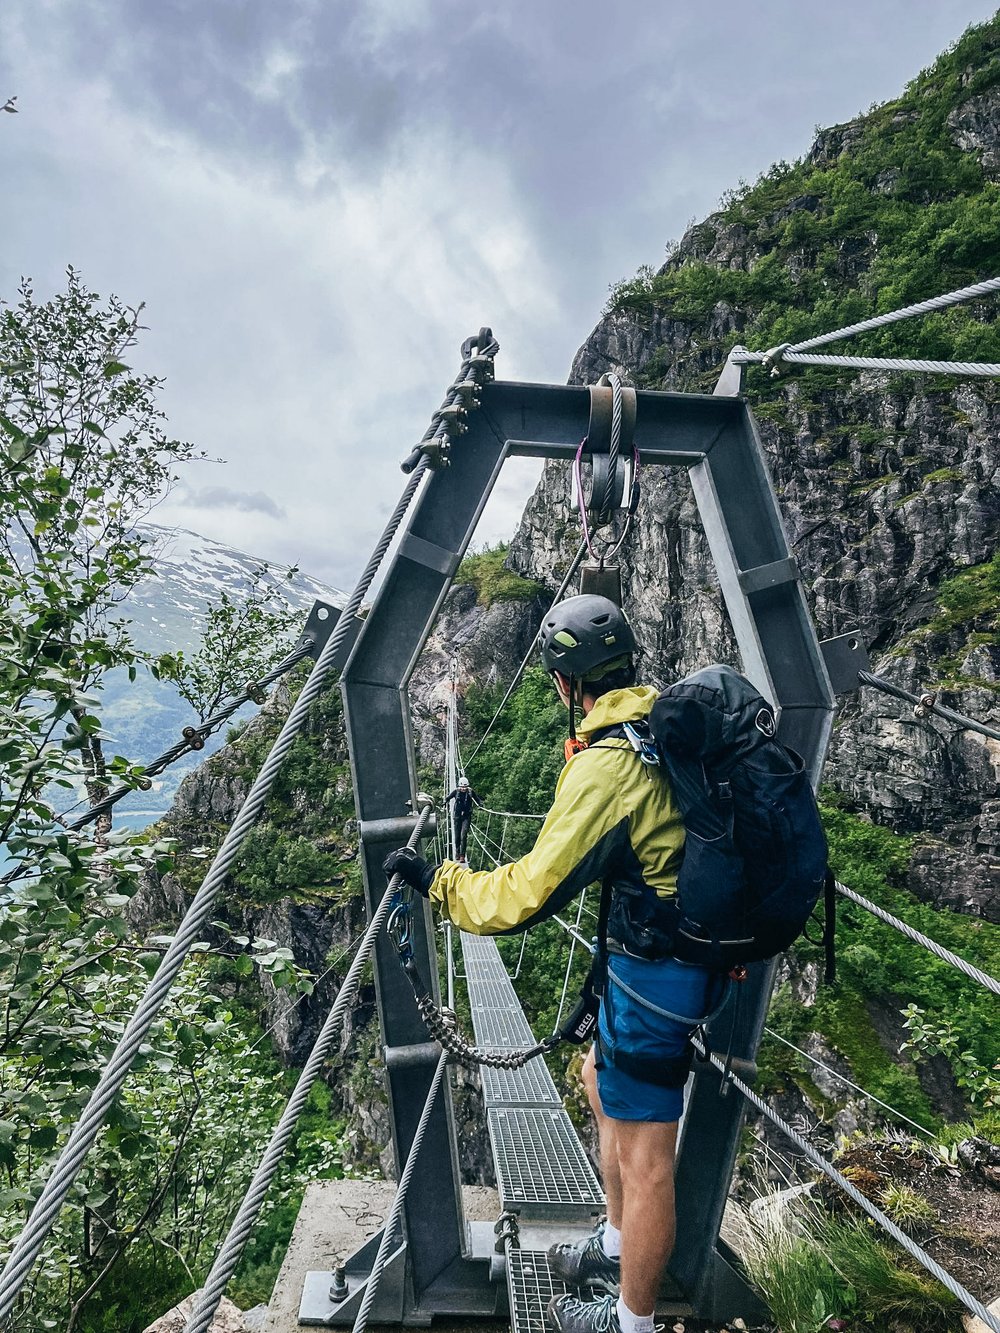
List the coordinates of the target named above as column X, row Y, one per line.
column 773, row 358
column 926, row 704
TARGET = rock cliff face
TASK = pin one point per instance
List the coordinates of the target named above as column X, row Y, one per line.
column 889, row 490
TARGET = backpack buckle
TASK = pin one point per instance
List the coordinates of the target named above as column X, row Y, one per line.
column 724, row 790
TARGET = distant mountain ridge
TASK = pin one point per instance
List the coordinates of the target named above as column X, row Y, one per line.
column 167, row 613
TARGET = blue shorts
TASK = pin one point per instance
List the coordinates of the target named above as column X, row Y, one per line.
column 626, row 1024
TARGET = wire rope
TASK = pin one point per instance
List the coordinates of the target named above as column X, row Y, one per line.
column 922, row 1257
column 870, row 1096
column 28, row 1245
column 905, row 365
column 232, row 1247
column 560, row 594
column 569, row 963
column 510, row 814
column 395, row 1212
column 905, row 312
column 970, row 970
column 927, row 703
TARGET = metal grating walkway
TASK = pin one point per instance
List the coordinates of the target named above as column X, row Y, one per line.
column 529, row 1086
column 542, row 1170
column 530, row 1287
column 497, row 1017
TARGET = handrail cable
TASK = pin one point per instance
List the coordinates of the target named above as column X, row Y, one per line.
column 81, row 1139
column 578, row 935
column 510, row 814
column 569, row 962
column 922, row 1257
column 869, row 1096
column 231, row 1249
column 927, row 307
column 795, row 353
column 574, row 566
column 395, row 1212
column 907, row 365
column 970, row 970
column 927, row 703
column 176, row 751
column 198, row 733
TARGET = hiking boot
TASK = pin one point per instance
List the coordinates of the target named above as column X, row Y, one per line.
column 568, row 1314
column 585, row 1264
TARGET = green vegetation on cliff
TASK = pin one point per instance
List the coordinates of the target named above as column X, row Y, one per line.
column 886, row 210
column 487, row 572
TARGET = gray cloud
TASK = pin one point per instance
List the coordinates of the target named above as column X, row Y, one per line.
column 318, row 200
column 222, row 497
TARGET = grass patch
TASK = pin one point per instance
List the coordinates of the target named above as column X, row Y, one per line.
column 812, row 1269
column 972, row 593
column 493, row 582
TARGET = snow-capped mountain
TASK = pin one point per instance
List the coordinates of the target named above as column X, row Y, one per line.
column 168, row 609
column 167, row 613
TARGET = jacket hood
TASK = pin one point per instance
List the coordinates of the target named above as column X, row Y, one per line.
column 628, row 705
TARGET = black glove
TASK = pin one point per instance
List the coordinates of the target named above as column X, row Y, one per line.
column 417, row 872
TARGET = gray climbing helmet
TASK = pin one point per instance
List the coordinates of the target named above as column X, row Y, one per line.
column 586, row 637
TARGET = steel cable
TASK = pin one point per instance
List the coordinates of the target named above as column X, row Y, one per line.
column 510, row 814
column 970, row 970
column 906, row 312
column 793, row 352
column 614, row 448
column 228, row 1257
column 574, row 566
column 869, row 1096
column 80, row 1141
column 782, row 355
column 569, row 962
column 831, row 1172
column 395, row 1212
column 182, row 747
column 928, row 702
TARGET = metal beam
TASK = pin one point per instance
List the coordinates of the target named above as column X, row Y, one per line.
column 715, row 437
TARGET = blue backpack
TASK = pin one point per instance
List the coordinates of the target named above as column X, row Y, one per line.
column 755, row 855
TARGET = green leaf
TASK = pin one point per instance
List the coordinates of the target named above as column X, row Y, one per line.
column 114, row 368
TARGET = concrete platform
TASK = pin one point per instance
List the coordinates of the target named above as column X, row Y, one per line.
column 336, row 1218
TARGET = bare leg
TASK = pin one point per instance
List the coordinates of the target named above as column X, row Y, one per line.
column 645, row 1158
column 607, row 1136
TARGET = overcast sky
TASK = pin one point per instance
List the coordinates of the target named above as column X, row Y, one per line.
column 318, row 200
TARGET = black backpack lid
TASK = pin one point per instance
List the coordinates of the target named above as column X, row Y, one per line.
column 715, row 713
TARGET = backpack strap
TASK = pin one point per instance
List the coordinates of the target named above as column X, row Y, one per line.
column 830, row 927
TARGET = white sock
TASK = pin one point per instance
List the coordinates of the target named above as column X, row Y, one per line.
column 634, row 1323
column 611, row 1241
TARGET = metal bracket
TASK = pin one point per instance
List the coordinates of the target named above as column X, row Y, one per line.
column 318, row 627
column 769, row 576
column 319, row 1307
column 844, row 657
column 604, row 580
column 730, row 382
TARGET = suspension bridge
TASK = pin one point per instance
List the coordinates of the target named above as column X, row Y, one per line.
column 428, row 1260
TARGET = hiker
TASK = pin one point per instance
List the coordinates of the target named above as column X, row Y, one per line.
column 613, row 818
column 464, row 798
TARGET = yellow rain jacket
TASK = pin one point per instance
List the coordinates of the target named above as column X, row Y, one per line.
column 611, row 815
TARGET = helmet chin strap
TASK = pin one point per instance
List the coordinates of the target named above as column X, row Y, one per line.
column 572, row 746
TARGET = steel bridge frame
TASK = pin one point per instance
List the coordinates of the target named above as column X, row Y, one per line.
column 439, row 1269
